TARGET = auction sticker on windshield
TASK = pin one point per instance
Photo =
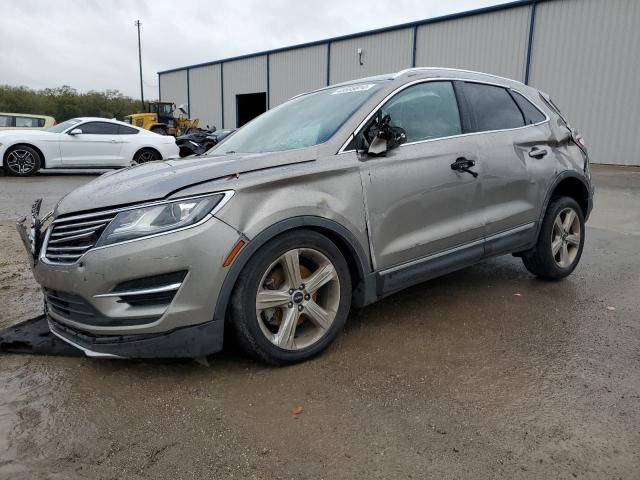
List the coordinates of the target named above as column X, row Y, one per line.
column 353, row 88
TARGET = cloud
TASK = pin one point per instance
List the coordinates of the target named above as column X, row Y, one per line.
column 92, row 44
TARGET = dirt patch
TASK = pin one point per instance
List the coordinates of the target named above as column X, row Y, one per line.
column 20, row 295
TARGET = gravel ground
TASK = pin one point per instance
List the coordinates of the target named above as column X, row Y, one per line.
column 485, row 373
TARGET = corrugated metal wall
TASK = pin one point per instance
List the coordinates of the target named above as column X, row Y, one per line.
column 242, row 76
column 381, row 53
column 173, row 87
column 493, row 43
column 585, row 55
column 204, row 90
column 296, row 71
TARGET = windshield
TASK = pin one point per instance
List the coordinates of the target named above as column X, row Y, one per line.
column 61, row 127
column 302, row 122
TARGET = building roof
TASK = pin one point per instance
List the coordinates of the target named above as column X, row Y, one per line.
column 468, row 13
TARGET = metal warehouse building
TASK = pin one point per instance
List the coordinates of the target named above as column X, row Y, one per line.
column 584, row 53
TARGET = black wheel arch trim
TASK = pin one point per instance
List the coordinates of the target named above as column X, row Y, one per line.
column 363, row 291
column 563, row 176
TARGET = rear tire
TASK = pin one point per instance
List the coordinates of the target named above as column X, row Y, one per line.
column 560, row 241
column 277, row 317
column 159, row 130
column 146, row 155
column 22, row 161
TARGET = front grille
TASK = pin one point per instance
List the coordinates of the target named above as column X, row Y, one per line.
column 70, row 239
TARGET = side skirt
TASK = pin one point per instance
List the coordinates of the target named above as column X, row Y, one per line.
column 402, row 276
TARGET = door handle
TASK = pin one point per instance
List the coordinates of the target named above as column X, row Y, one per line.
column 536, row 152
column 464, row 165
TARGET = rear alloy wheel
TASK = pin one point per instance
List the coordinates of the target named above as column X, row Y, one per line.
column 566, row 237
column 292, row 299
column 145, row 155
column 560, row 243
column 22, row 161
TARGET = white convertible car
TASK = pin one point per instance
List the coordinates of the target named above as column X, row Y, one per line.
column 82, row 143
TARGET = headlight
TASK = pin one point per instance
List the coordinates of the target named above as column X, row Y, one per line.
column 154, row 219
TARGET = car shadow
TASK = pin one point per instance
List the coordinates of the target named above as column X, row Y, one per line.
column 444, row 304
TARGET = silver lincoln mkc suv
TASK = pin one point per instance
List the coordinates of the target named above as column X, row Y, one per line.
column 332, row 200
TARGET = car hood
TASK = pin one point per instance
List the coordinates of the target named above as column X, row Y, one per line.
column 158, row 180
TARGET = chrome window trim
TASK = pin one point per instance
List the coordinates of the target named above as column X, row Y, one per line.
column 227, row 194
column 442, row 79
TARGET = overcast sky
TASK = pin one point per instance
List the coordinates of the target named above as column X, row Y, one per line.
column 92, row 44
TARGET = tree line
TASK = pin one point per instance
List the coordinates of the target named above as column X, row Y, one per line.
column 66, row 102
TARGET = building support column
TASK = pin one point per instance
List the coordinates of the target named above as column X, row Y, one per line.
column 268, row 84
column 222, row 93
column 188, row 95
column 532, row 21
column 328, row 63
column 415, row 42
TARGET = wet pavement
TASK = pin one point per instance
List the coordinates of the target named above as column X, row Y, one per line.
column 484, row 373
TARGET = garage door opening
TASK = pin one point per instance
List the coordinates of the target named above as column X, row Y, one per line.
column 249, row 106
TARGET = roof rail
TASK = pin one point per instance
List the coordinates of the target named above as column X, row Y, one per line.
column 414, row 69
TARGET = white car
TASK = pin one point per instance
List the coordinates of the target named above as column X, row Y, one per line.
column 85, row 142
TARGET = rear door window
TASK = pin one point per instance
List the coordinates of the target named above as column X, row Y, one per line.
column 531, row 113
column 5, row 121
column 29, row 122
column 492, row 108
column 425, row 111
column 99, row 128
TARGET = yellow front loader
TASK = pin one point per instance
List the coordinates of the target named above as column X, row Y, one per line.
column 159, row 117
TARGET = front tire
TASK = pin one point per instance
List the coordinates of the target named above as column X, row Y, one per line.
column 560, row 242
column 292, row 298
column 22, row 161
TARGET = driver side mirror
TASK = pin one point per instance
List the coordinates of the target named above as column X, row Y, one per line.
column 75, row 131
column 382, row 136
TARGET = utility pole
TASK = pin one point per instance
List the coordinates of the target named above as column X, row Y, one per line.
column 137, row 24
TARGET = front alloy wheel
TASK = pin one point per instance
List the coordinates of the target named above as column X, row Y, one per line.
column 296, row 306
column 22, row 161
column 292, row 298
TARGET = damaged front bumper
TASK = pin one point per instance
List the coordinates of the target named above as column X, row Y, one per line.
column 151, row 298
column 190, row 342
column 31, row 235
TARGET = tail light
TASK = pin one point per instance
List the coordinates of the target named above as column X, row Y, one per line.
column 580, row 141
